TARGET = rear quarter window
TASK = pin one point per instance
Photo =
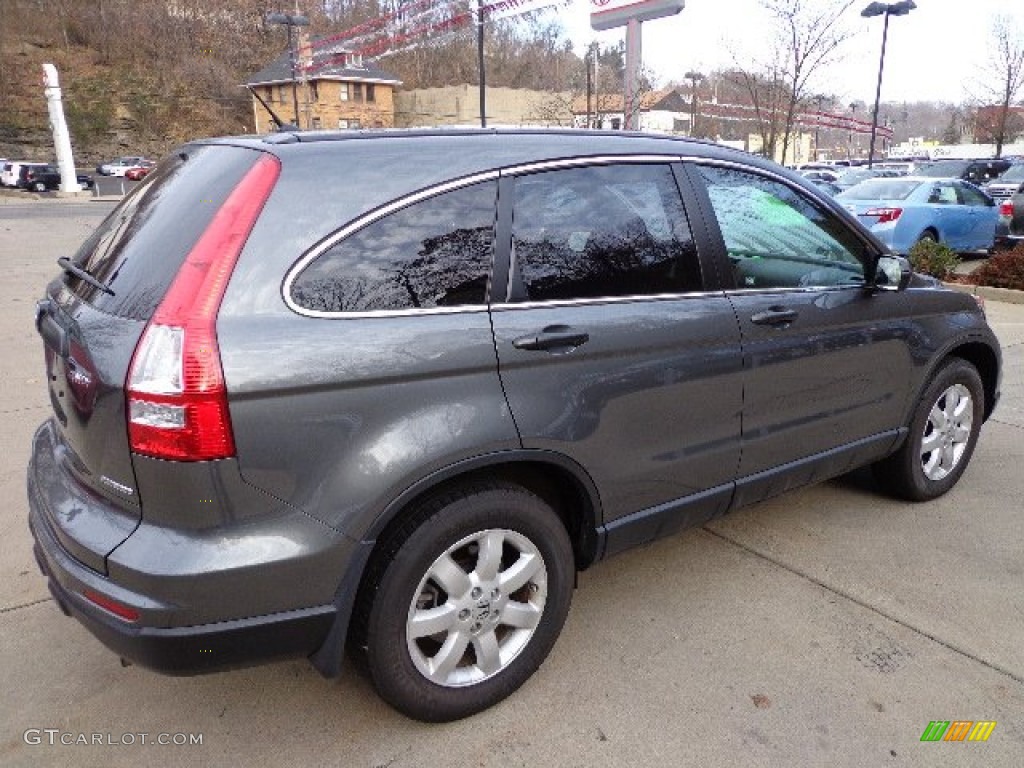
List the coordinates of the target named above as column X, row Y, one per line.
column 433, row 253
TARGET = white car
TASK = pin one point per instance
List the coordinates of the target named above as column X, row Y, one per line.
column 11, row 169
column 121, row 165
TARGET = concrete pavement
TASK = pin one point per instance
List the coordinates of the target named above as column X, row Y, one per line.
column 823, row 628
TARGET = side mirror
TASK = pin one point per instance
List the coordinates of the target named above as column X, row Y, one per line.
column 892, row 273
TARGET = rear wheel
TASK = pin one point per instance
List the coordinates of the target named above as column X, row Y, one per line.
column 943, row 432
column 928, row 236
column 465, row 601
column 39, row 186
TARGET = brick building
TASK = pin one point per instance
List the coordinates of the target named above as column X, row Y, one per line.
column 335, row 89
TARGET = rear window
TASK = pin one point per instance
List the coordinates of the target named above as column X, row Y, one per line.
column 1015, row 173
column 949, row 169
column 881, row 189
column 138, row 249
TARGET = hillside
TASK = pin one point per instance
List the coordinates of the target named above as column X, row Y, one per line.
column 140, row 76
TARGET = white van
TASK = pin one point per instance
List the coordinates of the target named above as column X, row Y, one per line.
column 11, row 171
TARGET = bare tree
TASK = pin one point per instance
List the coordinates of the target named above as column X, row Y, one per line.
column 766, row 92
column 809, row 37
column 1002, row 83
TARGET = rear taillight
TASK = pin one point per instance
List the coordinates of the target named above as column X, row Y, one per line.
column 177, row 399
column 885, row 215
column 1006, row 209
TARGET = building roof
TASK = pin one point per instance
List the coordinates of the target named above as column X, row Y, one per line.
column 329, row 63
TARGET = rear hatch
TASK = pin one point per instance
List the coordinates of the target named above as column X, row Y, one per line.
column 90, row 329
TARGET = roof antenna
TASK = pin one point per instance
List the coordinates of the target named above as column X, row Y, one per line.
column 281, row 126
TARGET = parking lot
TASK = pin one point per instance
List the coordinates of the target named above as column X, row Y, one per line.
column 827, row 627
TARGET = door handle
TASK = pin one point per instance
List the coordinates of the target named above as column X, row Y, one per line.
column 775, row 316
column 552, row 337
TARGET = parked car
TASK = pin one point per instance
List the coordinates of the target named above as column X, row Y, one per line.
column 827, row 186
column 1007, row 185
column 820, row 175
column 815, row 167
column 39, row 178
column 121, row 165
column 902, row 211
column 12, row 171
column 398, row 411
column 855, row 176
column 901, row 167
column 139, row 172
column 1010, row 229
column 978, row 172
column 26, row 173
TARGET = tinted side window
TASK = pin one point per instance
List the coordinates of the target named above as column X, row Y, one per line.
column 434, row 253
column 601, row 232
column 970, row 196
column 776, row 237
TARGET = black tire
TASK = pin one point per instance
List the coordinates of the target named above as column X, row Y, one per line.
column 39, row 186
column 928, row 237
column 906, row 473
column 400, row 585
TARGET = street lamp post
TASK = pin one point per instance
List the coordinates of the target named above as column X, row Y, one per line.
column 695, row 79
column 290, row 20
column 901, row 8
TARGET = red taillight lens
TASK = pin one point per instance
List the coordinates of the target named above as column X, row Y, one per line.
column 885, row 215
column 109, row 604
column 1006, row 209
column 177, row 399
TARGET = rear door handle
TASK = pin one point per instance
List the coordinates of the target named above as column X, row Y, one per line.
column 775, row 316
column 552, row 337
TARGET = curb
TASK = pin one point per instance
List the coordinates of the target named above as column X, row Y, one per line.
column 1007, row 295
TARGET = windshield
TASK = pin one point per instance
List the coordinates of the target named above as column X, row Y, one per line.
column 949, row 169
column 1015, row 173
column 881, row 189
column 850, row 178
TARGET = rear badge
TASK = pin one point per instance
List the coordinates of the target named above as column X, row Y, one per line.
column 113, row 485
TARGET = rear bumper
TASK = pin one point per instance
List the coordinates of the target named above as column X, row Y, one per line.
column 249, row 589
column 176, row 650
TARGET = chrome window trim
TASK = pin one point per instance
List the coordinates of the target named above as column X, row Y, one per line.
column 580, row 162
column 505, row 306
column 365, row 220
column 794, row 289
column 518, row 170
column 423, row 194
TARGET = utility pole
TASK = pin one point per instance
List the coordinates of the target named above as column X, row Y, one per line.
column 480, row 61
column 290, row 20
column 695, row 79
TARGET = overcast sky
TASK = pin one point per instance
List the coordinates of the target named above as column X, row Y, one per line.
column 935, row 53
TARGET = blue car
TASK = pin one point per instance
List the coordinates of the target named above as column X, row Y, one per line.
column 903, row 211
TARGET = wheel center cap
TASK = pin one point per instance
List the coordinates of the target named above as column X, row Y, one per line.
column 482, row 609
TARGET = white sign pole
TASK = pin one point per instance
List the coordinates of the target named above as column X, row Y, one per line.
column 61, row 138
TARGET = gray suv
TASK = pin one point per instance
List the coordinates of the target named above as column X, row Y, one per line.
column 391, row 391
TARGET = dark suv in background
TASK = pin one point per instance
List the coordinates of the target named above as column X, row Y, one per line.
column 398, row 409
column 42, row 177
column 979, row 172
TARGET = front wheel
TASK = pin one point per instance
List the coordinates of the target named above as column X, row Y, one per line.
column 466, row 600
column 39, row 186
column 943, row 433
